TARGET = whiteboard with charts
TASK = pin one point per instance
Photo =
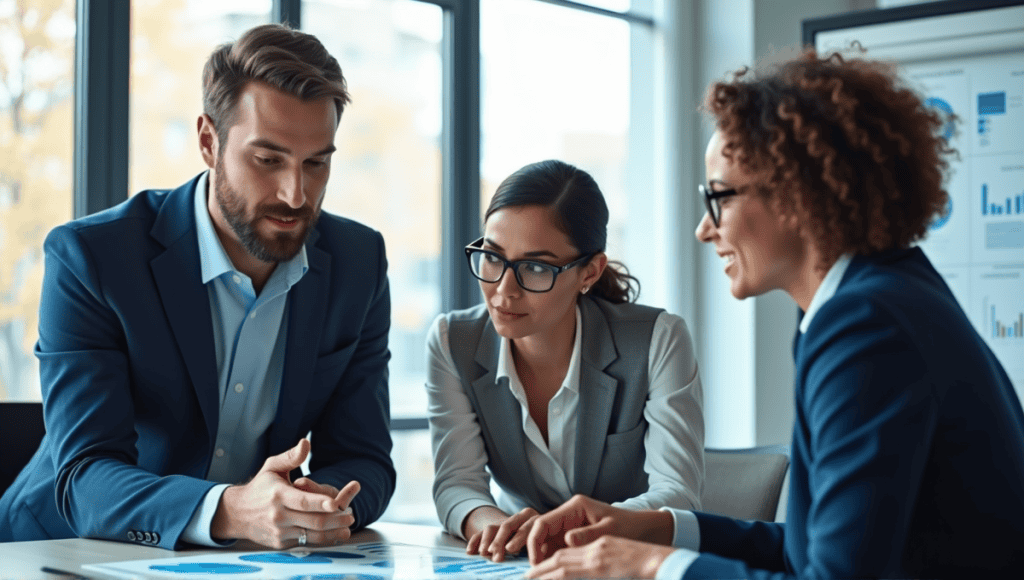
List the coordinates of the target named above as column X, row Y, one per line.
column 967, row 59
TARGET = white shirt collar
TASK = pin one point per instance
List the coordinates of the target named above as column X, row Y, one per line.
column 826, row 290
column 507, row 366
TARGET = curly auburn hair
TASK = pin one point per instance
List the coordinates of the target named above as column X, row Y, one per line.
column 842, row 143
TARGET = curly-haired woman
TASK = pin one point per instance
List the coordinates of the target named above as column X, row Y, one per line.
column 908, row 447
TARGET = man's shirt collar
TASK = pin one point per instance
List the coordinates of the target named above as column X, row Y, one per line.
column 214, row 259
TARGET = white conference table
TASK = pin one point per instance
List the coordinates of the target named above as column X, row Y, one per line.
column 25, row 560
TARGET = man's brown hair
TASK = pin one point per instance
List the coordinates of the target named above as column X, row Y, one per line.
column 274, row 54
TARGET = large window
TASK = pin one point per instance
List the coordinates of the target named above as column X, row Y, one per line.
column 555, row 84
column 37, row 60
column 387, row 175
column 170, row 42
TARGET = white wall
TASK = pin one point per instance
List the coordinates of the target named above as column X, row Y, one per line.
column 743, row 347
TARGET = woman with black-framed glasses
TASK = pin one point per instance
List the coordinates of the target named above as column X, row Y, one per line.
column 558, row 384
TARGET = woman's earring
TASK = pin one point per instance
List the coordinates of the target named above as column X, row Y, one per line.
column 585, row 289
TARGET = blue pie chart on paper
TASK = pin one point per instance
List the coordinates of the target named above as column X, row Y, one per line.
column 444, row 565
column 289, row 558
column 206, row 568
column 285, row 558
column 339, row 555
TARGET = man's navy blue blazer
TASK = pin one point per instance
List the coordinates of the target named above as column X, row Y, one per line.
column 908, row 444
column 129, row 375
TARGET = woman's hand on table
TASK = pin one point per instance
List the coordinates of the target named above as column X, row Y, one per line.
column 492, row 533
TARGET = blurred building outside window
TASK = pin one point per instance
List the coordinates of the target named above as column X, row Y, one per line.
column 170, row 42
column 387, row 175
column 556, row 85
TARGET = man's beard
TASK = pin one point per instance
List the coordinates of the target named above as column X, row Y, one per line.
column 279, row 248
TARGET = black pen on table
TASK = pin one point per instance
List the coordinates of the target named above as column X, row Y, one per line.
column 64, row 573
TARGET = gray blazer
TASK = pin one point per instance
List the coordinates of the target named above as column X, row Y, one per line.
column 611, row 426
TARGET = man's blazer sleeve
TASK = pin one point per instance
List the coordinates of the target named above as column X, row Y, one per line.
column 352, row 441
column 88, row 405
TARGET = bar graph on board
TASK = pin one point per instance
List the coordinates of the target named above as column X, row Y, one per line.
column 1006, row 328
column 1014, row 205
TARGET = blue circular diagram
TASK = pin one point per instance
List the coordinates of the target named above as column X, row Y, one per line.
column 942, row 105
column 206, row 568
column 339, row 577
column 943, row 217
column 339, row 555
column 285, row 558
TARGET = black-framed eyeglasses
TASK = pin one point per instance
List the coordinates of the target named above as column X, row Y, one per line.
column 711, row 201
column 532, row 276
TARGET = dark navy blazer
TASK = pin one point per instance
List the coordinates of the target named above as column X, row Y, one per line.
column 129, row 377
column 908, row 445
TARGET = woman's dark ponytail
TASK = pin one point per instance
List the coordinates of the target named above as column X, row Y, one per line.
column 580, row 211
column 616, row 285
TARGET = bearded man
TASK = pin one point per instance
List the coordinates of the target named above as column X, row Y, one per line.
column 190, row 339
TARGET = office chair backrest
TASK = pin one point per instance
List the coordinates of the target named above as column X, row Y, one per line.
column 744, row 483
column 21, row 431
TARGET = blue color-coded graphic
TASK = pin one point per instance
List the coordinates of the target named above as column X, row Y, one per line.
column 992, row 103
column 1013, row 330
column 443, row 565
column 206, row 568
column 1013, row 206
column 296, row 558
column 1004, row 235
column 340, row 555
column 943, row 218
column 338, row 577
column 285, row 558
column 948, row 128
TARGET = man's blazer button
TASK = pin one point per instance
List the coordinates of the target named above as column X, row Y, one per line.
column 149, row 537
column 131, row 535
column 156, row 538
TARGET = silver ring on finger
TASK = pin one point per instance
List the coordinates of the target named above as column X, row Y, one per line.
column 302, row 536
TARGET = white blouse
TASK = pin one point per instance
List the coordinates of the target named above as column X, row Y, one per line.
column 674, row 440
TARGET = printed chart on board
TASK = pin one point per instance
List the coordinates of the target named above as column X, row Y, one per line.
column 368, row 561
column 978, row 246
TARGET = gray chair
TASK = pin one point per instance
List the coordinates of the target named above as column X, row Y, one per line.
column 745, row 483
column 21, row 432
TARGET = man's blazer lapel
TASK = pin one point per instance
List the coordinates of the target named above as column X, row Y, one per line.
column 307, row 311
column 597, row 395
column 186, row 303
column 503, row 415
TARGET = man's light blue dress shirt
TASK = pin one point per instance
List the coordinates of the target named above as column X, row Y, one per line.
column 249, row 334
